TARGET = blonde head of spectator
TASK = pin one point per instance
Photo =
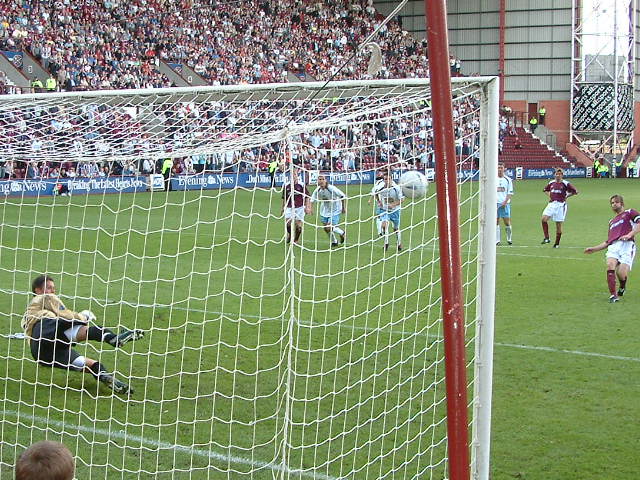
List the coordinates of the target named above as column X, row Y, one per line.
column 46, row 459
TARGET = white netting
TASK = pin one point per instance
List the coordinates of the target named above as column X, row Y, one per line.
column 262, row 358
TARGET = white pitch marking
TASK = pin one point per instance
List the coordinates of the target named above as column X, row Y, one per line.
column 540, row 256
column 572, row 352
column 169, row 446
column 562, row 247
column 405, row 333
column 439, row 337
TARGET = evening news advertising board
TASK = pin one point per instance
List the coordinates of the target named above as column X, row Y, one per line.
column 213, row 181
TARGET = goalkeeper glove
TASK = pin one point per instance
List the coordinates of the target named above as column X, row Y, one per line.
column 89, row 315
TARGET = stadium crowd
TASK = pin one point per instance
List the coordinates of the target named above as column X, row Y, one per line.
column 104, row 132
column 98, row 44
column 108, row 44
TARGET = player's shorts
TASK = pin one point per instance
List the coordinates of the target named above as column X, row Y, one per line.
column 622, row 251
column 333, row 220
column 504, row 211
column 557, row 211
column 393, row 217
column 50, row 346
column 295, row 213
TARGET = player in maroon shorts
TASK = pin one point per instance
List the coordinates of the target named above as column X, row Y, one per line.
column 621, row 248
column 295, row 205
column 558, row 190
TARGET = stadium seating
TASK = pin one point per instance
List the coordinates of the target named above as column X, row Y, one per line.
column 109, row 45
column 530, row 153
column 97, row 45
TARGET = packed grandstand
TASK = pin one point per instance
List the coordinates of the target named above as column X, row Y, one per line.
column 94, row 132
column 93, row 45
column 108, row 44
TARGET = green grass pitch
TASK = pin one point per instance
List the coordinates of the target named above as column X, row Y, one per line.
column 209, row 273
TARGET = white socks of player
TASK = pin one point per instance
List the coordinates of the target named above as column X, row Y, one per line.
column 333, row 234
column 387, row 234
column 507, row 229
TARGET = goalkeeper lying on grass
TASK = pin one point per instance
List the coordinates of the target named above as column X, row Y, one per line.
column 52, row 330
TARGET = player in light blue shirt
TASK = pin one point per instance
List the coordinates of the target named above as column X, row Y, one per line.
column 332, row 205
column 388, row 200
column 504, row 194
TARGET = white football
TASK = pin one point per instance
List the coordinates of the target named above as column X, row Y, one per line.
column 414, row 184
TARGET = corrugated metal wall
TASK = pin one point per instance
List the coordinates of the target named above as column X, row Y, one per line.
column 537, row 42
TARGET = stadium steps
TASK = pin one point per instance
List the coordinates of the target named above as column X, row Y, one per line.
column 14, row 75
column 193, row 77
column 31, row 67
column 299, row 76
column 533, row 154
column 174, row 75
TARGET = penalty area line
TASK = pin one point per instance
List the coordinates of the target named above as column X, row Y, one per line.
column 569, row 352
column 199, row 452
column 530, row 255
column 385, row 330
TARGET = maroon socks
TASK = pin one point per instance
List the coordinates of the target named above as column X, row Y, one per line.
column 611, row 281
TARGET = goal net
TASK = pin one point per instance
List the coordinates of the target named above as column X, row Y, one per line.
column 311, row 359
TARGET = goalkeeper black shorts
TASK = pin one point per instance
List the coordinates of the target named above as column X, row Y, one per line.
column 50, row 346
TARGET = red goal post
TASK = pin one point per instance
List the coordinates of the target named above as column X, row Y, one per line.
column 460, row 465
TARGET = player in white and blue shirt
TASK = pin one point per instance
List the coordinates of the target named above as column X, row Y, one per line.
column 504, row 194
column 388, row 199
column 332, row 205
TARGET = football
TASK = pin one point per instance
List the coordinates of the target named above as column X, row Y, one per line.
column 414, row 184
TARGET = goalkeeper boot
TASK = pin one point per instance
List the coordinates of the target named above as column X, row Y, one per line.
column 126, row 336
column 114, row 384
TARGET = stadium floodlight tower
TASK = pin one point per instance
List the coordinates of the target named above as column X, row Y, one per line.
column 603, row 63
